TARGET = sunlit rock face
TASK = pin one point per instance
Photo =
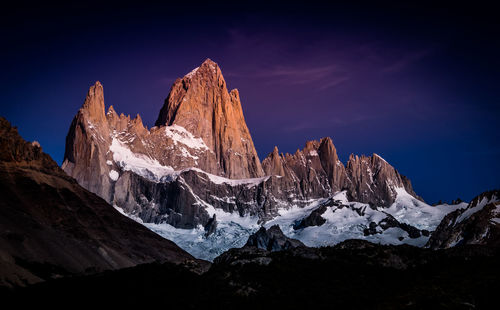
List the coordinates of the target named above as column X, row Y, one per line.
column 201, row 103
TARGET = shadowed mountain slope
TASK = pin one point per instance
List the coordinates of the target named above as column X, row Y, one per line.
column 52, row 227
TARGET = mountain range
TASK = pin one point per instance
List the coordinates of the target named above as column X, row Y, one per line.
column 195, row 176
column 190, row 198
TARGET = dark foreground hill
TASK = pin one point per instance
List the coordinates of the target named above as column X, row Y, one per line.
column 52, row 227
column 352, row 275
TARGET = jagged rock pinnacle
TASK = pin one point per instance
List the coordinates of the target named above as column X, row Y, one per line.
column 94, row 102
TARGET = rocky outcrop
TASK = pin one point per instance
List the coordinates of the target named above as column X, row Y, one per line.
column 315, row 218
column 478, row 223
column 52, row 227
column 390, row 222
column 304, row 170
column 211, row 226
column 373, row 180
column 272, row 239
column 259, row 246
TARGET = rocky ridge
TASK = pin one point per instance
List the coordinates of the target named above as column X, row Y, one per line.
column 318, row 169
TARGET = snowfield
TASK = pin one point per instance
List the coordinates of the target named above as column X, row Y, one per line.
column 407, row 209
column 180, row 134
column 140, row 164
column 341, row 224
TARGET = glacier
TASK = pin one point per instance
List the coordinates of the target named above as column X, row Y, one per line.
column 341, row 224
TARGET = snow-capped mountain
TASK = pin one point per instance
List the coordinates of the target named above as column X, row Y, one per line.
column 196, row 179
column 478, row 223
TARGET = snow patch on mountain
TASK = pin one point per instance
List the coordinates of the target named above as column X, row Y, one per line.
column 113, row 175
column 180, row 135
column 233, row 182
column 138, row 163
column 190, row 74
column 407, row 209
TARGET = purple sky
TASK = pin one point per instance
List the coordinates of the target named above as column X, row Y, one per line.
column 417, row 85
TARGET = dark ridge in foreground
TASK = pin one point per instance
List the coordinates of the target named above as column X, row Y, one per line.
column 352, row 275
column 52, row 227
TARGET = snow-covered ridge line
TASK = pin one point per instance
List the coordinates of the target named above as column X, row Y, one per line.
column 407, row 209
column 233, row 182
column 478, row 207
column 192, row 72
column 380, row 157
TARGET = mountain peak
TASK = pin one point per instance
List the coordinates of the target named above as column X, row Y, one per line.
column 94, row 102
column 206, row 69
column 209, row 61
column 210, row 68
column 273, row 164
column 201, row 103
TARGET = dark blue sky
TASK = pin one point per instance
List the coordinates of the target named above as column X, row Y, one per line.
column 418, row 85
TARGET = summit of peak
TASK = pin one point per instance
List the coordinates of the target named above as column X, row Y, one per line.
column 207, row 66
column 96, row 89
column 275, row 152
column 94, row 102
column 209, row 61
column 375, row 155
column 326, row 140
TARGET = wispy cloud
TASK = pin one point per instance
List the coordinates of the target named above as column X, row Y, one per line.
column 334, row 82
column 406, row 60
column 325, row 63
column 323, row 77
